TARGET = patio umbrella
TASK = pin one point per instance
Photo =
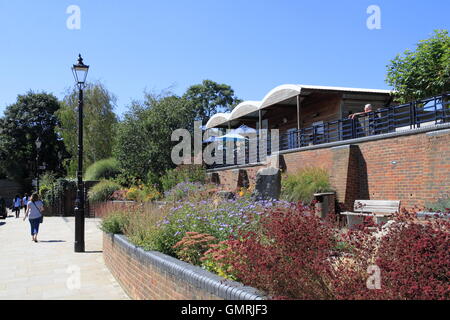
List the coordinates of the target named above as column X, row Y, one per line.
column 210, row 139
column 231, row 136
column 244, row 130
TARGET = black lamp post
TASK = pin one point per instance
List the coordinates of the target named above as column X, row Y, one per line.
column 80, row 71
column 38, row 143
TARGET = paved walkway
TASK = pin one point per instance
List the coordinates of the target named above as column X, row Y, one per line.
column 50, row 269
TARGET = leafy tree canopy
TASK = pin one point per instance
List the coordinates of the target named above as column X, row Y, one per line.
column 209, row 98
column 424, row 72
column 143, row 142
column 32, row 116
column 98, row 124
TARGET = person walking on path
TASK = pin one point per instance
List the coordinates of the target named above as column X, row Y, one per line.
column 17, row 204
column 35, row 207
column 25, row 202
column 3, row 212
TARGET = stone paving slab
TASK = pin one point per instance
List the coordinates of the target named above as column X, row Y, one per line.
column 50, row 269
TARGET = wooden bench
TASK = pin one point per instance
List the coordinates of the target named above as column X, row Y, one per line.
column 380, row 210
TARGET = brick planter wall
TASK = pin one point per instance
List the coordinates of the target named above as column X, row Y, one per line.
column 412, row 166
column 152, row 275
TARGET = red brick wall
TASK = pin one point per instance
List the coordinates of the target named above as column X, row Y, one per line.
column 229, row 179
column 155, row 276
column 412, row 168
column 421, row 173
column 144, row 281
column 341, row 164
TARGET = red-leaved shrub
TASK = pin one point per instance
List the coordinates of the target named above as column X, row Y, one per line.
column 289, row 258
column 297, row 256
column 414, row 258
column 349, row 273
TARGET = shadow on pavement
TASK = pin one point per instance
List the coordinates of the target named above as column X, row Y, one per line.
column 52, row 241
column 93, row 251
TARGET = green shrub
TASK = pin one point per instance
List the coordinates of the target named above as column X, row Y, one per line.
column 115, row 222
column 143, row 193
column 45, row 191
column 103, row 191
column 135, row 194
column 47, row 179
column 126, row 180
column 187, row 173
column 103, row 169
column 51, row 188
column 302, row 185
column 143, row 226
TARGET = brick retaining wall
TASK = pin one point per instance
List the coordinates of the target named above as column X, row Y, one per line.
column 152, row 275
column 413, row 167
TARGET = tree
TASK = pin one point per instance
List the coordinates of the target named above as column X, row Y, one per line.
column 209, row 98
column 143, row 142
column 424, row 72
column 98, row 126
column 31, row 117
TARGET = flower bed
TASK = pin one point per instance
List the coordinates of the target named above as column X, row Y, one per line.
column 286, row 251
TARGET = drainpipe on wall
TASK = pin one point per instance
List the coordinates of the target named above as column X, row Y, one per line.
column 260, row 121
column 298, row 112
column 258, row 158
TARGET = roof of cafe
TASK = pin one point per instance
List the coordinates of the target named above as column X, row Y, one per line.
column 277, row 95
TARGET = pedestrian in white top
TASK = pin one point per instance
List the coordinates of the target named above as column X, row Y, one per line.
column 17, row 204
column 25, row 202
column 35, row 207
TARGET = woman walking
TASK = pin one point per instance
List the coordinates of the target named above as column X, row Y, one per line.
column 17, row 204
column 35, row 207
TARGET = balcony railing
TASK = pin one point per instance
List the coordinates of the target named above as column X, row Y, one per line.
column 427, row 112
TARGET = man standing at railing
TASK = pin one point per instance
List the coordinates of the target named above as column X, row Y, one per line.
column 365, row 122
column 367, row 109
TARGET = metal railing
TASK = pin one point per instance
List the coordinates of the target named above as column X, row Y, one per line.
column 418, row 114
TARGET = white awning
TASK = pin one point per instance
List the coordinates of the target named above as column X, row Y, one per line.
column 245, row 108
column 278, row 95
column 217, row 120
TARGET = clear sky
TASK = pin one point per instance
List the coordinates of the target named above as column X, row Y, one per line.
column 252, row 45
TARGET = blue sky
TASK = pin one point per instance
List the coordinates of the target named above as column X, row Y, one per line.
column 252, row 45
